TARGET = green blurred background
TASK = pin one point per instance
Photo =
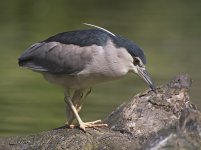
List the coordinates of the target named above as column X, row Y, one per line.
column 168, row 31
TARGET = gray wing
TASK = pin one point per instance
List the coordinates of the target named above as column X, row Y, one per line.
column 55, row 57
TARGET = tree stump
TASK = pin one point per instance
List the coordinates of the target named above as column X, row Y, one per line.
column 150, row 121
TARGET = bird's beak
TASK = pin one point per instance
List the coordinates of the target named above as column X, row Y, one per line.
column 146, row 77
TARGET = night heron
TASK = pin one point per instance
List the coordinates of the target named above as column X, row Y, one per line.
column 77, row 60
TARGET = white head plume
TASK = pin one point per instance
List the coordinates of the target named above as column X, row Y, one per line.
column 99, row 28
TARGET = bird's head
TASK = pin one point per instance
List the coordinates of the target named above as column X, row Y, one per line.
column 139, row 60
column 139, row 69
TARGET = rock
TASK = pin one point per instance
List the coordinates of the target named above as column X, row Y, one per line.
column 152, row 121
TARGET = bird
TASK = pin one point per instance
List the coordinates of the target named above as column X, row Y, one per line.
column 79, row 59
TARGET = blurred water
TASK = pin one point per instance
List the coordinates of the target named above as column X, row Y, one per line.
column 168, row 31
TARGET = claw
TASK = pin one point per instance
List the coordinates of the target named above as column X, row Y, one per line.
column 97, row 123
column 93, row 124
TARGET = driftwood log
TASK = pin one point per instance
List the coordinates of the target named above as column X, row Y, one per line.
column 150, row 121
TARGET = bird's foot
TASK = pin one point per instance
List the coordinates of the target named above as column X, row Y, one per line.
column 93, row 124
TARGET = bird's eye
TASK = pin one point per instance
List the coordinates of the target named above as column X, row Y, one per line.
column 136, row 62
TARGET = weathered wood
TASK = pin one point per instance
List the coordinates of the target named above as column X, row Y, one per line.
column 162, row 120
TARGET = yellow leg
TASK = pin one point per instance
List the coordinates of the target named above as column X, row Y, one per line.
column 75, row 114
column 77, row 96
column 68, row 100
column 77, row 100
